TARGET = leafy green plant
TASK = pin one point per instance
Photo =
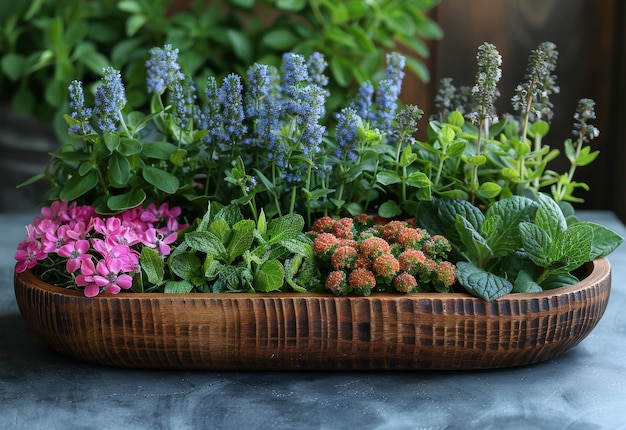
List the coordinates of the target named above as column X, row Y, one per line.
column 518, row 244
column 225, row 252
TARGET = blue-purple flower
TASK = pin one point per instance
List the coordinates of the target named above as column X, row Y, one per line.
column 110, row 99
column 79, row 111
column 162, row 69
column 347, row 134
column 231, row 101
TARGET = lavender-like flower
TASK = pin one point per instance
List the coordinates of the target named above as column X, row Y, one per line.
column 386, row 104
column 79, row 111
column 259, row 88
column 394, row 71
column 231, row 100
column 183, row 95
column 294, row 71
column 316, row 64
column 308, row 107
column 532, row 96
column 162, row 69
column 210, row 119
column 406, row 121
column 584, row 112
column 362, row 102
column 347, row 134
column 110, row 99
column 487, row 77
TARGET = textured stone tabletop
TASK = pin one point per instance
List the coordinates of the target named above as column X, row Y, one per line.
column 583, row 389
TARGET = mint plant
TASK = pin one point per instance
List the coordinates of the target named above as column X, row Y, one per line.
column 518, row 244
column 226, row 252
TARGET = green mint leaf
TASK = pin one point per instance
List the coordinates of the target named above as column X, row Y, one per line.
column 231, row 214
column 241, row 239
column 152, row 263
column 604, row 241
column 558, row 280
column 185, row 265
column 550, row 216
column 503, row 236
column 524, row 283
column 284, row 228
column 220, row 228
column 480, row 283
column 178, row 287
column 270, row 276
column 571, row 249
column 300, row 246
column 537, row 243
column 207, row 242
column 478, row 249
column 445, row 217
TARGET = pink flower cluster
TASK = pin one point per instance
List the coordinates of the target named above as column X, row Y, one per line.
column 97, row 253
column 363, row 254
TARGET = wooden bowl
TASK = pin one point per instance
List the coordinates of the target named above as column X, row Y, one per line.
column 279, row 331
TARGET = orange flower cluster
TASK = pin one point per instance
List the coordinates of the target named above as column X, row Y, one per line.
column 361, row 254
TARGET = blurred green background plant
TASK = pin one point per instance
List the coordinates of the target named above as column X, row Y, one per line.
column 45, row 44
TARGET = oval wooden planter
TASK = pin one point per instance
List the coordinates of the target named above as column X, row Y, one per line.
column 314, row 331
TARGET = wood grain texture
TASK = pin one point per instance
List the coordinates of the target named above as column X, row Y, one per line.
column 314, row 331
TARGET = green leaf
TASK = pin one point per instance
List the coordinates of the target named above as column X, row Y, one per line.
column 206, row 242
column 220, row 228
column 119, row 170
column 230, row 213
column 572, row 248
column 474, row 242
column 128, row 200
column 153, row 265
column 178, row 287
column 270, row 276
column 279, row 39
column 240, row 44
column 418, row 180
column 537, row 243
column 129, row 147
column 604, row 242
column 158, row 150
column 549, row 216
column 241, row 239
column 512, row 211
column 78, row 185
column 524, row 283
column 481, row 283
column 13, row 66
column 389, row 209
column 161, row 179
column 488, row 190
column 387, row 177
column 285, row 227
column 299, row 247
column 558, row 280
column 185, row 266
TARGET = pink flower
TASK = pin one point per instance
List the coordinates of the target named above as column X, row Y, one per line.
column 27, row 258
column 155, row 239
column 86, row 278
column 153, row 214
column 122, row 253
column 76, row 252
column 109, row 278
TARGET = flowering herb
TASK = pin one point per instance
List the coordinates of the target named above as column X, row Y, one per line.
column 489, row 184
column 360, row 255
column 72, row 246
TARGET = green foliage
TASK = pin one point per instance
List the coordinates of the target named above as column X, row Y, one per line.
column 519, row 244
column 224, row 252
column 44, row 44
